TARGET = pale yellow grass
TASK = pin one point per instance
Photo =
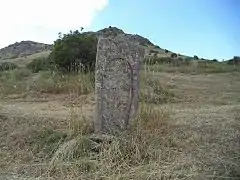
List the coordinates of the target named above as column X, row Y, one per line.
column 196, row 137
column 23, row 61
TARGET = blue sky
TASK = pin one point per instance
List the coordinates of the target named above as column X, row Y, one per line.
column 207, row 28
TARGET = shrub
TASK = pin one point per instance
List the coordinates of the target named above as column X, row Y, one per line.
column 166, row 51
column 153, row 51
column 5, row 66
column 174, row 55
column 195, row 57
column 188, row 61
column 40, row 64
column 13, row 57
column 13, row 82
column 234, row 61
column 74, row 52
column 236, row 58
column 155, row 60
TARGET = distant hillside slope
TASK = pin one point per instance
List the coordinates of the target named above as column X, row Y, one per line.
column 150, row 48
column 112, row 31
column 22, row 49
column 26, row 48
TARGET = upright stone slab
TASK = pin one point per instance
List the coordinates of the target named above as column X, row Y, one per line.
column 116, row 84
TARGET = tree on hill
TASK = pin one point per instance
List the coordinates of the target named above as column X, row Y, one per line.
column 195, row 57
column 174, row 55
column 235, row 60
column 166, row 51
column 74, row 51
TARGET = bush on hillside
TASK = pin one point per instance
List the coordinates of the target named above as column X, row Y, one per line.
column 153, row 51
column 168, row 60
column 234, row 61
column 195, row 57
column 174, row 55
column 40, row 64
column 236, row 58
column 5, row 66
column 157, row 60
column 74, row 52
column 205, row 63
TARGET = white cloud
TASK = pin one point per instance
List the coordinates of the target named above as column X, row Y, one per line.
column 41, row 20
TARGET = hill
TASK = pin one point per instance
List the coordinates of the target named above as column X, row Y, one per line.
column 23, row 49
column 26, row 48
column 150, row 48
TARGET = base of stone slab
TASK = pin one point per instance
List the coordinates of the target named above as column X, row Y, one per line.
column 101, row 138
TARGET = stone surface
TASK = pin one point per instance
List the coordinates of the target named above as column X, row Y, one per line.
column 117, row 83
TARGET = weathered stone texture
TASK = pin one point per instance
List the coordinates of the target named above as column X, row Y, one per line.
column 117, row 84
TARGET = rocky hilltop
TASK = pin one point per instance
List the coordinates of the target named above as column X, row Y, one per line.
column 113, row 31
column 23, row 48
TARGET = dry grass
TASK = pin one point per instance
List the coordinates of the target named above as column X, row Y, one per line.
column 154, row 92
column 23, row 82
column 188, row 130
column 195, row 68
column 23, row 61
column 135, row 148
column 12, row 82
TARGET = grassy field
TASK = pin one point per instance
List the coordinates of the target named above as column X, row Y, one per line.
column 188, row 127
column 23, row 61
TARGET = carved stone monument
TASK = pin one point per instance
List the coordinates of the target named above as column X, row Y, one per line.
column 116, row 84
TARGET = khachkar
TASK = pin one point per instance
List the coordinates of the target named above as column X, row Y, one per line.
column 116, row 84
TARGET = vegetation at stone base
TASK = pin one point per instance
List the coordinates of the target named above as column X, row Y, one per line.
column 83, row 157
column 74, row 51
column 5, row 66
